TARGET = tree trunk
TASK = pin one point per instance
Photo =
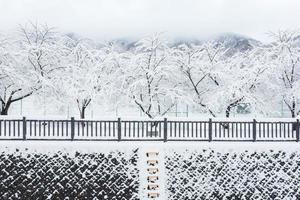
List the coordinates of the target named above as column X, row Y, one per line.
column 293, row 113
column 5, row 108
column 228, row 109
column 293, row 110
column 82, row 112
column 82, row 106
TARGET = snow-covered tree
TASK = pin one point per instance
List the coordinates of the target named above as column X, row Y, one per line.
column 28, row 60
column 217, row 82
column 197, row 65
column 85, row 75
column 152, row 76
column 15, row 77
column 42, row 47
column 149, row 80
column 284, row 57
column 236, row 82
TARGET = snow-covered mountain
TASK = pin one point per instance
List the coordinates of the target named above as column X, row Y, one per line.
column 123, row 43
column 236, row 43
column 233, row 42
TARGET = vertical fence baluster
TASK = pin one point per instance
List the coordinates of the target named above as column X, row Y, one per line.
column 67, row 128
column 133, row 129
column 290, row 129
column 179, row 131
column 210, row 130
column 220, row 130
column 114, row 129
column 188, row 129
column 96, row 128
column 297, row 131
column 62, row 128
column 160, row 131
column 175, row 129
column 268, row 128
column 273, row 131
column 215, row 130
column 92, row 128
column 44, row 127
column 232, row 129
column 125, row 129
column 14, row 128
column 183, row 130
column 87, row 128
column 53, row 128
column 276, row 130
column 249, row 130
column 9, row 129
column 165, row 130
column 129, row 129
column 34, row 127
column 143, row 129
column 57, row 128
column 284, row 129
column 4, row 126
column 202, row 126
column 119, row 129
column 235, row 129
column 100, row 128
column 170, row 130
column 137, row 129
column 19, row 134
column 280, row 129
column 72, row 128
column 40, row 128
column 104, row 132
column 241, row 129
column 48, row 125
column 265, row 130
column 24, row 128
column 254, row 130
column 110, row 129
column 192, row 126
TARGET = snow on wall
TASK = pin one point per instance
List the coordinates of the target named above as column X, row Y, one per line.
column 247, row 173
column 114, row 170
column 40, row 173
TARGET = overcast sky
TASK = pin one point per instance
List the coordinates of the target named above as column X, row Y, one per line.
column 106, row 19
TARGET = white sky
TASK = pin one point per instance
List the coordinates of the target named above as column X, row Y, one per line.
column 106, row 19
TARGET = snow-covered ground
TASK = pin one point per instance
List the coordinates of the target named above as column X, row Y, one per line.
column 94, row 146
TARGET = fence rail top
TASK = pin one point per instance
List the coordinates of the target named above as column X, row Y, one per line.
column 143, row 119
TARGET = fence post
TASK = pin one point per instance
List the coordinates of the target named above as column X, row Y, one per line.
column 165, row 130
column 119, row 129
column 24, row 128
column 72, row 128
column 297, row 131
column 254, row 130
column 210, row 130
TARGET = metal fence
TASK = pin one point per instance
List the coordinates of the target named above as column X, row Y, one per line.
column 159, row 130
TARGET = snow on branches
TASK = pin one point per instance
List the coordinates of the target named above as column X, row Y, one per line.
column 284, row 57
column 149, row 80
column 151, row 75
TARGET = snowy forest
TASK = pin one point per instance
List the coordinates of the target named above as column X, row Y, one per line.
column 152, row 75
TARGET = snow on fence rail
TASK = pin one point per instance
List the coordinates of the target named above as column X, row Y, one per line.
column 159, row 130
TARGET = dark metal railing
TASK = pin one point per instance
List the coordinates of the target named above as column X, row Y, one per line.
column 158, row 130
